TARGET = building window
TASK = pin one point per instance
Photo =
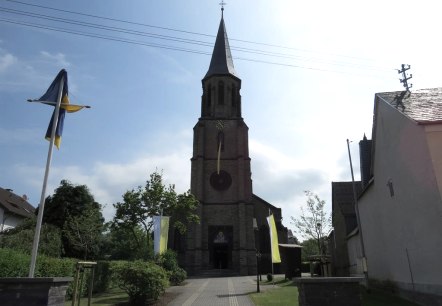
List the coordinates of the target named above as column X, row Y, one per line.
column 221, row 93
column 209, row 95
column 390, row 187
column 233, row 95
column 220, row 141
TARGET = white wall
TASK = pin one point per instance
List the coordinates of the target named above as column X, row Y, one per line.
column 411, row 220
column 355, row 256
column 8, row 220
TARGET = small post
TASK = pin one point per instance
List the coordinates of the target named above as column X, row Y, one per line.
column 258, row 254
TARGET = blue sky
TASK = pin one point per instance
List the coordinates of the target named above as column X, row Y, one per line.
column 145, row 100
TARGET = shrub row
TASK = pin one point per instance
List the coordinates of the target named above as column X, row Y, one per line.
column 141, row 280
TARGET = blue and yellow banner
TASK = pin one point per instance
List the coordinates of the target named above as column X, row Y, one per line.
column 51, row 98
column 160, row 233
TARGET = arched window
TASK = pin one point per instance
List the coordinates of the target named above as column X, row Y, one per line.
column 221, row 92
column 233, row 95
column 209, row 95
column 220, row 140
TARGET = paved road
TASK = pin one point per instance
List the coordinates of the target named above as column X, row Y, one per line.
column 232, row 291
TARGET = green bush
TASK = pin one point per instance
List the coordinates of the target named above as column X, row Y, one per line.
column 102, row 276
column 143, row 281
column 269, row 277
column 13, row 263
column 168, row 261
column 177, row 276
column 21, row 239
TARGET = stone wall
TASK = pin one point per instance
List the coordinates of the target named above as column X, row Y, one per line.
column 329, row 291
column 39, row 291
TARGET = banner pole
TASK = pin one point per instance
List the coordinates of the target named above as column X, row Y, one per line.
column 45, row 181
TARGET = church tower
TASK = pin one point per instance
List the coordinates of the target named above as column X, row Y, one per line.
column 220, row 173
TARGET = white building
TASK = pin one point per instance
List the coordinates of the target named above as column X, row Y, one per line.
column 13, row 209
column 401, row 207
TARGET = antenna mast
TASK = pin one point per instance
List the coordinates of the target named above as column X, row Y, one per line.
column 405, row 79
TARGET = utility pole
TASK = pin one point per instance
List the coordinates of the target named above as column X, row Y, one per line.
column 364, row 259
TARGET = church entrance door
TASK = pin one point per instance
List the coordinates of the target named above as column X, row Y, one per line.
column 220, row 245
column 220, row 256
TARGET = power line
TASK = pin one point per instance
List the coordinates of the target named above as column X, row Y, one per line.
column 167, row 47
column 170, row 29
column 153, row 35
column 39, row 26
column 162, row 37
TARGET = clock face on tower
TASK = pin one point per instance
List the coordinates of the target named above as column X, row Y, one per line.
column 221, row 181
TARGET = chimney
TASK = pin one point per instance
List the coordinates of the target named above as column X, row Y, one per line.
column 365, row 160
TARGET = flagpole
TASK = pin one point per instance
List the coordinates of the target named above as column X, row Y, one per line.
column 45, row 181
column 271, row 250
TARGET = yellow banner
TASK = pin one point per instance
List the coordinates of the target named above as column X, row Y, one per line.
column 164, row 234
column 276, row 258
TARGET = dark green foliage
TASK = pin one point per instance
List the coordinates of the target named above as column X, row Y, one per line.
column 102, row 276
column 54, row 267
column 143, row 281
column 21, row 238
column 177, row 276
column 126, row 243
column 309, row 248
column 269, row 277
column 74, row 211
column 14, row 263
column 140, row 204
column 168, row 261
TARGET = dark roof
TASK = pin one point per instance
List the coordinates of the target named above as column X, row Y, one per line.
column 221, row 62
column 342, row 196
column 15, row 204
column 423, row 106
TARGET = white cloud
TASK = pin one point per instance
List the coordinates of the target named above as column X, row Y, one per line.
column 109, row 181
column 6, row 61
column 59, row 59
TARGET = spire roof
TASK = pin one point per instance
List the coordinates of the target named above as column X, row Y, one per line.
column 221, row 62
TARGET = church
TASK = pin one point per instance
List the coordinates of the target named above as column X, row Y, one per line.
column 233, row 226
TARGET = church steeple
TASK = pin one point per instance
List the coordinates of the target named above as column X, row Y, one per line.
column 221, row 86
column 221, row 62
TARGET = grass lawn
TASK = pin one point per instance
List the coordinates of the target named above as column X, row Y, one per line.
column 117, row 297
column 113, row 297
column 285, row 293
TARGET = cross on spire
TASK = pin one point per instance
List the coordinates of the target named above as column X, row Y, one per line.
column 222, row 3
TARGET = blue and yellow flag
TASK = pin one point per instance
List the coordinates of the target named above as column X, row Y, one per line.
column 276, row 258
column 160, row 233
column 51, row 98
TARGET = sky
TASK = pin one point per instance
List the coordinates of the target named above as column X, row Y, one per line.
column 309, row 71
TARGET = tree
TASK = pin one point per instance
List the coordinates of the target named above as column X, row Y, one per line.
column 313, row 223
column 74, row 211
column 124, row 243
column 141, row 204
